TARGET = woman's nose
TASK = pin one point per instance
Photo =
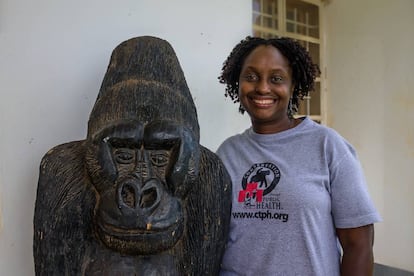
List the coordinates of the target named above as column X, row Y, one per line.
column 262, row 86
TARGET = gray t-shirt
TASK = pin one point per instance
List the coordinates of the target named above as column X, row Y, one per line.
column 290, row 191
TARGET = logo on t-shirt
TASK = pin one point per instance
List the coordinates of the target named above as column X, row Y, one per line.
column 258, row 181
column 255, row 196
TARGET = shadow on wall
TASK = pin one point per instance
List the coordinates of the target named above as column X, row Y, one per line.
column 383, row 270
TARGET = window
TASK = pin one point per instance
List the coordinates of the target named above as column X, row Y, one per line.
column 300, row 20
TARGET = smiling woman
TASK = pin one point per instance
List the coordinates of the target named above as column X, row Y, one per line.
column 317, row 189
column 278, row 72
column 265, row 87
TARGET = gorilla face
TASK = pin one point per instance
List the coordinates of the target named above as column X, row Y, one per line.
column 141, row 175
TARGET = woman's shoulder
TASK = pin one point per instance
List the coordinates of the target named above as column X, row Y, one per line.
column 321, row 130
column 335, row 142
column 328, row 136
column 233, row 141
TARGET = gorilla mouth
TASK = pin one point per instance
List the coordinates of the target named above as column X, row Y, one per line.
column 137, row 241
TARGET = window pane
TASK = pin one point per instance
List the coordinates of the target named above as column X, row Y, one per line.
column 269, row 22
column 265, row 14
column 315, row 103
column 303, row 17
column 290, row 27
column 303, row 110
column 311, row 105
column 270, row 6
column 256, row 5
column 313, row 50
column 256, row 12
column 257, row 19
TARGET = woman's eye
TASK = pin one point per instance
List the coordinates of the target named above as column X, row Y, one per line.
column 159, row 159
column 124, row 156
column 277, row 79
column 251, row 77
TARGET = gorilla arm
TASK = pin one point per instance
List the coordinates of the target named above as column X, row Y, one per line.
column 64, row 203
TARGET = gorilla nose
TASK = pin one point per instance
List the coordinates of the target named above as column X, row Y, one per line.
column 128, row 195
column 146, row 197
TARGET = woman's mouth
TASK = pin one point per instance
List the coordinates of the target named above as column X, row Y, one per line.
column 263, row 102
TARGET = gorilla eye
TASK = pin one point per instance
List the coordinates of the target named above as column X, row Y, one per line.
column 159, row 158
column 124, row 155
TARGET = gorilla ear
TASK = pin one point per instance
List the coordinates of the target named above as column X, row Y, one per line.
column 185, row 170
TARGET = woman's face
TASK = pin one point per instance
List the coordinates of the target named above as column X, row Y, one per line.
column 265, row 87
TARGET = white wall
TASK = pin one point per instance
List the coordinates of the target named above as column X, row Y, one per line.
column 371, row 103
column 53, row 55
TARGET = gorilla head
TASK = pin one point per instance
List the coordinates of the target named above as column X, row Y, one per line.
column 143, row 150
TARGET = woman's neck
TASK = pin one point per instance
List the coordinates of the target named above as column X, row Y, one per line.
column 272, row 127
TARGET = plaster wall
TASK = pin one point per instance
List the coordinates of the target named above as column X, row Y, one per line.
column 370, row 69
column 53, row 55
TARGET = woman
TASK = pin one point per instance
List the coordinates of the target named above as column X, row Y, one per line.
column 298, row 187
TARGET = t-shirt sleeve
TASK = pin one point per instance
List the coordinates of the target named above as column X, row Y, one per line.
column 351, row 202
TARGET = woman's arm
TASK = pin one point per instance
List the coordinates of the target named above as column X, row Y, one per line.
column 358, row 257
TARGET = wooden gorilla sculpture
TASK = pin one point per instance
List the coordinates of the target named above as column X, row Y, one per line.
column 138, row 196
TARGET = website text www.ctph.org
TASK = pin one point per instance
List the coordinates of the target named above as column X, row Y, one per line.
column 261, row 215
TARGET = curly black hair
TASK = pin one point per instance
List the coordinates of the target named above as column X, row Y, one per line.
column 304, row 71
